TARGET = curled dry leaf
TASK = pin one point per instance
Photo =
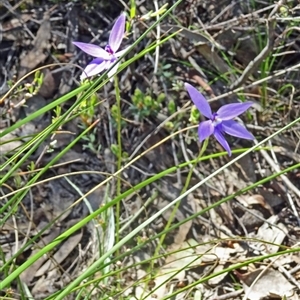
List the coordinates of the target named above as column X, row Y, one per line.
column 247, row 201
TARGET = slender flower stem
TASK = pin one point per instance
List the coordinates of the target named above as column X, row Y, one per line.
column 202, row 150
column 119, row 162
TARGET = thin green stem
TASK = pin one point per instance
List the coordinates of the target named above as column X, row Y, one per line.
column 102, row 259
column 173, row 214
column 130, row 235
column 188, row 180
column 231, row 268
column 119, row 164
column 127, row 193
column 119, row 154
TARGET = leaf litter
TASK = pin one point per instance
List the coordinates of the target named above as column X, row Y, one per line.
column 253, row 224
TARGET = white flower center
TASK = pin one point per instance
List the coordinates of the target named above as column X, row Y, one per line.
column 217, row 121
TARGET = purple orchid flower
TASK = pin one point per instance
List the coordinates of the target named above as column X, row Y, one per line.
column 220, row 122
column 105, row 58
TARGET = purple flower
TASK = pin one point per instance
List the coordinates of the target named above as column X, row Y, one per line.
column 105, row 58
column 220, row 122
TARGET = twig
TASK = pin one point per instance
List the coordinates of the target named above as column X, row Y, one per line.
column 230, row 295
column 222, row 12
column 157, row 38
column 196, row 36
column 241, row 88
column 236, row 20
column 254, row 64
column 176, row 161
column 273, row 261
column 287, row 182
column 276, row 7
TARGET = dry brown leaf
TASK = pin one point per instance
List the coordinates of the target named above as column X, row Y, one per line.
column 272, row 198
column 183, row 230
column 41, row 43
column 272, row 234
column 176, row 266
column 60, row 255
column 247, row 201
column 46, row 285
column 49, row 85
column 246, row 168
column 29, row 273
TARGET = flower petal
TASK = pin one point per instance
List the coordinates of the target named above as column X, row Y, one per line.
column 221, row 139
column 117, row 33
column 230, row 111
column 120, row 53
column 205, row 129
column 95, row 67
column 235, row 129
column 113, row 71
column 199, row 100
column 92, row 50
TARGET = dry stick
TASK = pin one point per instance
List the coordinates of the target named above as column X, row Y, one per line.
column 30, row 218
column 196, row 36
column 157, row 38
column 176, row 161
column 3, row 69
column 273, row 261
column 254, row 64
column 1, row 30
column 295, row 269
column 192, row 61
column 52, row 167
column 53, row 178
column 223, row 11
column 279, row 73
column 240, row 18
column 276, row 7
column 229, row 295
column 288, row 183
